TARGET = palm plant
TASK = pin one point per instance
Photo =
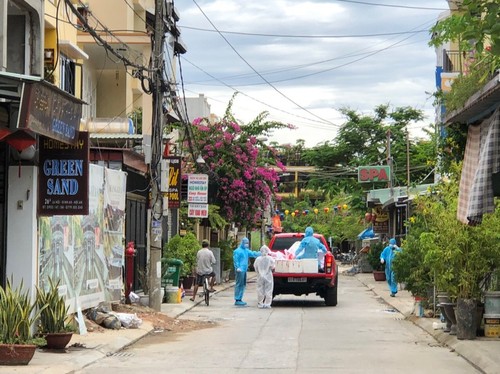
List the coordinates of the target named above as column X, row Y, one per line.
column 17, row 316
column 53, row 310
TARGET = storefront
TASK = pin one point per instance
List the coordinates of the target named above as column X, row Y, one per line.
column 29, row 107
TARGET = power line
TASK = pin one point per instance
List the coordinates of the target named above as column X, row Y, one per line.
column 391, row 5
column 256, row 100
column 251, row 67
column 305, row 36
column 296, row 67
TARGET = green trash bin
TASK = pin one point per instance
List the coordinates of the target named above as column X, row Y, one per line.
column 171, row 272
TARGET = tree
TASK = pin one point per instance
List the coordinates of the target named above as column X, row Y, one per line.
column 474, row 25
column 240, row 165
column 361, row 141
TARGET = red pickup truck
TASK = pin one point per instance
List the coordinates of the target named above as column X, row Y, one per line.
column 323, row 284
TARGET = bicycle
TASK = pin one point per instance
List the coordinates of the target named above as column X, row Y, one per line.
column 206, row 289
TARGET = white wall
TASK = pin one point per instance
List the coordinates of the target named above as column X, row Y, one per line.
column 22, row 246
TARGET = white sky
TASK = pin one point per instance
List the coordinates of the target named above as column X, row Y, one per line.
column 304, row 80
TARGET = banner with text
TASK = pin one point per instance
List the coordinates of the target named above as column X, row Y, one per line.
column 83, row 252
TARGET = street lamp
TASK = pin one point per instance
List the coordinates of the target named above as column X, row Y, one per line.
column 200, row 160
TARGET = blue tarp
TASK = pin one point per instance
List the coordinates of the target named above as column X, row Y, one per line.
column 366, row 234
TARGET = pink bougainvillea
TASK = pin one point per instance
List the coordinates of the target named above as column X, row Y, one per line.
column 241, row 168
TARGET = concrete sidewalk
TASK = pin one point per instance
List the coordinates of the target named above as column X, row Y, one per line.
column 83, row 350
column 484, row 353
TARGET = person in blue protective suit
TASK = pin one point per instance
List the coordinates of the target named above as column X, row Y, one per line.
column 240, row 260
column 386, row 257
column 309, row 246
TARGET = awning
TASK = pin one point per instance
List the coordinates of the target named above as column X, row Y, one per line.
column 43, row 107
column 478, row 106
column 393, row 196
column 72, row 50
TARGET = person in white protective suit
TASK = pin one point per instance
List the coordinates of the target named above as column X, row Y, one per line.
column 264, row 266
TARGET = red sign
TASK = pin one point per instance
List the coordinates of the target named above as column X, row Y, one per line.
column 198, row 210
column 373, row 174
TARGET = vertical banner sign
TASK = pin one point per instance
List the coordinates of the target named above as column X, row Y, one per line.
column 63, row 181
column 174, row 182
column 114, row 229
column 197, row 195
column 381, row 221
column 197, row 188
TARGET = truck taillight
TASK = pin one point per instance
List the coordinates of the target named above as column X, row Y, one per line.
column 328, row 262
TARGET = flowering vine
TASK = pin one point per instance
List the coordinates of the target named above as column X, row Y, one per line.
column 243, row 180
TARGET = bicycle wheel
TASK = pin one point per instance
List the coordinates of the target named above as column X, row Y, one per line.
column 206, row 292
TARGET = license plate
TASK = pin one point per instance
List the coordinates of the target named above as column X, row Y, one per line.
column 297, row 279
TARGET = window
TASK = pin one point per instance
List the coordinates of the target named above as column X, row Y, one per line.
column 67, row 71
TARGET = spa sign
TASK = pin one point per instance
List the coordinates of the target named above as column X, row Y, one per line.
column 370, row 174
column 63, row 178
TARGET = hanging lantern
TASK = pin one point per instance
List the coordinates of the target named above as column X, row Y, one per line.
column 297, row 212
column 368, row 217
column 282, row 216
column 326, row 210
column 286, row 212
column 339, row 207
column 293, row 214
column 304, row 212
column 345, row 207
column 277, row 211
column 335, row 208
column 316, row 210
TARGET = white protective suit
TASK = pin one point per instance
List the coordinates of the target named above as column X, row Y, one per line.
column 264, row 266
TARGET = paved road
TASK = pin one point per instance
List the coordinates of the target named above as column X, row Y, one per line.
column 298, row 335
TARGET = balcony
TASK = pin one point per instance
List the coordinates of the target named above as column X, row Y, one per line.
column 453, row 61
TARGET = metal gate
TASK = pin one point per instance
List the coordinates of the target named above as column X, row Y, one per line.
column 135, row 230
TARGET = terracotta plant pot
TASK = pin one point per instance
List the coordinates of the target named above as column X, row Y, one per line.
column 187, row 283
column 57, row 340
column 379, row 275
column 16, row 354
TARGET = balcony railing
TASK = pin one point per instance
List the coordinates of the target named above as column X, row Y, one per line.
column 453, row 61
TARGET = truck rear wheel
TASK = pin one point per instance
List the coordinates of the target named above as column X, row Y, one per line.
column 331, row 294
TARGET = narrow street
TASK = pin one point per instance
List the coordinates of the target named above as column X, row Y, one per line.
column 298, row 335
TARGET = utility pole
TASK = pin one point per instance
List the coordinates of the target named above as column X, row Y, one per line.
column 389, row 160
column 155, row 233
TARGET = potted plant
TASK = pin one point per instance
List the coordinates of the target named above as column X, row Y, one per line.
column 53, row 320
column 143, row 276
column 226, row 257
column 458, row 256
column 17, row 318
column 184, row 248
column 374, row 261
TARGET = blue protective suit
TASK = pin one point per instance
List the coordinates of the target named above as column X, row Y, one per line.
column 386, row 257
column 240, row 260
column 309, row 246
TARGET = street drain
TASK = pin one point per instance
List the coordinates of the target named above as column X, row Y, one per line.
column 120, row 354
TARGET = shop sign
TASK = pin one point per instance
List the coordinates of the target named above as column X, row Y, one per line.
column 197, row 188
column 49, row 112
column 174, row 182
column 369, row 174
column 380, row 221
column 198, row 210
column 63, row 179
